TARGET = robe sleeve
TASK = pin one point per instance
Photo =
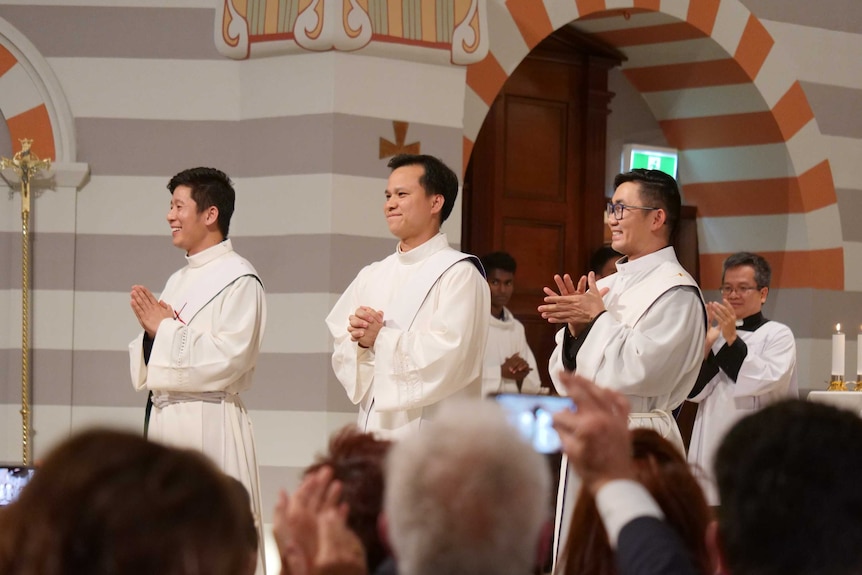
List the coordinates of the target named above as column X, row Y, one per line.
column 353, row 365
column 645, row 359
column 187, row 359
column 769, row 370
column 420, row 367
column 704, row 384
column 532, row 382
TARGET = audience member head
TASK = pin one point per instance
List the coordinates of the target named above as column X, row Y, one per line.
column 500, row 271
column 657, row 190
column 788, row 479
column 466, row 496
column 437, row 179
column 107, row 502
column 603, row 261
column 357, row 461
column 209, row 187
column 661, row 468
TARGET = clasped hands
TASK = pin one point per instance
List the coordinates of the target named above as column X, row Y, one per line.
column 364, row 325
column 721, row 319
column 575, row 306
column 149, row 311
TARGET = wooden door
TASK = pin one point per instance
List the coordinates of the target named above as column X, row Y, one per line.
column 534, row 186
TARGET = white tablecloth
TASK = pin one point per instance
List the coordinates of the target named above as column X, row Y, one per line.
column 851, row 400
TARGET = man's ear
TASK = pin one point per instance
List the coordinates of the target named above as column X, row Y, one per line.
column 211, row 215
column 714, row 549
column 659, row 218
column 437, row 204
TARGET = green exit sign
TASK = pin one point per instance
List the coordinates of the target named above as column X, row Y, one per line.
column 650, row 158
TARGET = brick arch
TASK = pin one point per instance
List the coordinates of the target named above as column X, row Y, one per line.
column 31, row 99
column 751, row 156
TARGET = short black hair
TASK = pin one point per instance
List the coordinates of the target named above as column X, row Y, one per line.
column 601, row 256
column 762, row 271
column 658, row 190
column 437, row 179
column 499, row 261
column 788, row 479
column 209, row 187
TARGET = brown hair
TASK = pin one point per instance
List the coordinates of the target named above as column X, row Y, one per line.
column 356, row 460
column 662, row 469
column 109, row 502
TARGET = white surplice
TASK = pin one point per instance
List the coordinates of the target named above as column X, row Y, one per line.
column 506, row 338
column 766, row 374
column 408, row 372
column 199, row 365
column 648, row 345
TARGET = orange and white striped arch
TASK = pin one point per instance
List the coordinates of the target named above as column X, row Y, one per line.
column 31, row 99
column 751, row 156
column 25, row 111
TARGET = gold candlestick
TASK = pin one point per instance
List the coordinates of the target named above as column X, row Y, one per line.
column 858, row 386
column 25, row 164
column 837, row 384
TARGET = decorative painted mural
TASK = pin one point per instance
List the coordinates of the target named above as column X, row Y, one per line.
column 249, row 28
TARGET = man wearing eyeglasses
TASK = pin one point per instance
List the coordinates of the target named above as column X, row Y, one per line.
column 641, row 330
column 749, row 361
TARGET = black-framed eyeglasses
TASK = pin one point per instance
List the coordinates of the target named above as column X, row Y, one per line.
column 741, row 290
column 616, row 210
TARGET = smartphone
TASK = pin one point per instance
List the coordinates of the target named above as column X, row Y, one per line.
column 13, row 478
column 532, row 416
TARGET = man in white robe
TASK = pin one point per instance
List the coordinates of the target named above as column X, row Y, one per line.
column 510, row 366
column 201, row 338
column 639, row 331
column 410, row 330
column 749, row 361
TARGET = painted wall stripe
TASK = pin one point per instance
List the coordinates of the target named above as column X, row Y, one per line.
column 702, row 14
column 754, row 46
column 812, row 190
column 792, row 111
column 683, row 76
column 674, row 32
column 818, row 269
column 486, row 78
column 722, row 131
column 532, row 20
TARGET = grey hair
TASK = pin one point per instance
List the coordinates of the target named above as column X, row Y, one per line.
column 466, row 495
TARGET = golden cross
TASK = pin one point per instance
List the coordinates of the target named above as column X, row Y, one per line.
column 26, row 164
column 388, row 148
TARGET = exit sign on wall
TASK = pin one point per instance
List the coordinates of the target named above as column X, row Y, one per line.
column 649, row 158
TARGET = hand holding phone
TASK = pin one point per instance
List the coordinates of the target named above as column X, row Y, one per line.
column 533, row 417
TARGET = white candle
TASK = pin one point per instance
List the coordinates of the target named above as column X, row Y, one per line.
column 859, row 355
column 838, row 351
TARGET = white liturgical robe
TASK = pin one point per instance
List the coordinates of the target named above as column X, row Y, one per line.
column 648, row 345
column 506, row 338
column 408, row 371
column 198, row 365
column 758, row 369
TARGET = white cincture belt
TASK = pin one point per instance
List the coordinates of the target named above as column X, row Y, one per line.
column 162, row 399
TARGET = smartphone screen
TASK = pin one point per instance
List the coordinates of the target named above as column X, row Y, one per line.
column 13, row 478
column 532, row 416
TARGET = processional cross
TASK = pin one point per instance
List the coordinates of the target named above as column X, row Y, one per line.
column 26, row 165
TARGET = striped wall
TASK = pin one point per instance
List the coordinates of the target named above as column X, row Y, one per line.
column 300, row 135
column 762, row 102
column 730, row 90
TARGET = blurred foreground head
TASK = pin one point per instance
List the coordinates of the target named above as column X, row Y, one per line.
column 107, row 502
column 466, row 495
column 788, row 478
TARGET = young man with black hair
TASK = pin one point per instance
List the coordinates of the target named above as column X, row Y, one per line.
column 409, row 332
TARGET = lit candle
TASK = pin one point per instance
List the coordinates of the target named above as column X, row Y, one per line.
column 859, row 355
column 838, row 351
